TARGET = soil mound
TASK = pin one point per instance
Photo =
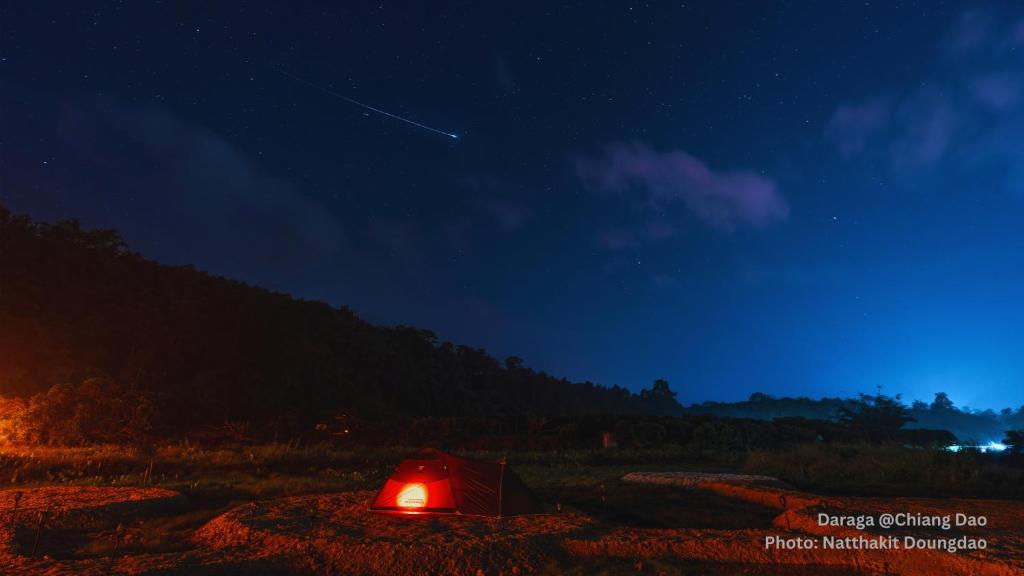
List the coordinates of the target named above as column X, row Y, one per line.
column 337, row 534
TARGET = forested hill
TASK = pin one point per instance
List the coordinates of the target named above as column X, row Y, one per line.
column 78, row 305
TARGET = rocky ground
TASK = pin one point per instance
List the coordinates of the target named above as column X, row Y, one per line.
column 91, row 530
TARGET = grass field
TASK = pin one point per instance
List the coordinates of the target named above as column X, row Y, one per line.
column 217, row 479
column 242, row 472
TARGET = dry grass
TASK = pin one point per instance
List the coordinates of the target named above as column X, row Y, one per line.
column 890, row 470
column 244, row 472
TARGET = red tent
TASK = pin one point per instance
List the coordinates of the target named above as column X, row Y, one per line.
column 433, row 482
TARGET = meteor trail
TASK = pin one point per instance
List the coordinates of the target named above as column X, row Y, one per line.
column 367, row 106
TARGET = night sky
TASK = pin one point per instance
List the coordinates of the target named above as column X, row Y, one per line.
column 795, row 198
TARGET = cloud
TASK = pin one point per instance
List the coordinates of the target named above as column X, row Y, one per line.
column 927, row 124
column 953, row 117
column 997, row 90
column 182, row 193
column 917, row 130
column 970, row 33
column 725, row 200
column 852, row 124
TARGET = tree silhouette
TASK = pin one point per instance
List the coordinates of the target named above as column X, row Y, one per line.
column 875, row 418
column 1014, row 441
column 660, row 390
column 942, row 402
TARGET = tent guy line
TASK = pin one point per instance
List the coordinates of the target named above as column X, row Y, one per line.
column 451, row 135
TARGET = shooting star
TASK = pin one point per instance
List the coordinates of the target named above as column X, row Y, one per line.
column 451, row 135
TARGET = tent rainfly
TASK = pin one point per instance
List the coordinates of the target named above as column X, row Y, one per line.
column 433, row 482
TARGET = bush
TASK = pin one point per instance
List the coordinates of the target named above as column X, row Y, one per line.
column 97, row 410
column 12, row 420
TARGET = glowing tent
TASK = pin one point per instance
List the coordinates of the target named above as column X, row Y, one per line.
column 433, row 482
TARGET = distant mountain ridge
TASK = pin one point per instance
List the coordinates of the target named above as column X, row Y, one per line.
column 941, row 414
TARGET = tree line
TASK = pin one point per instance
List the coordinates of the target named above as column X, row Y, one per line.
column 940, row 414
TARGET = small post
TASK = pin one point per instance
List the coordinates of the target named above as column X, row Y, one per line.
column 113, row 553
column 501, row 487
column 39, row 529
column 14, row 512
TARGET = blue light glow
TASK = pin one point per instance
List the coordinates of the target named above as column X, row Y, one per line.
column 992, row 446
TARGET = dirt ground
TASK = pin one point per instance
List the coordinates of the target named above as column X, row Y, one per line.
column 650, row 523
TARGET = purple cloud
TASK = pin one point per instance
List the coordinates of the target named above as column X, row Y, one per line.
column 852, row 125
column 723, row 199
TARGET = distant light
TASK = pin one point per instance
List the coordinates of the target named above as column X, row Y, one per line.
column 412, row 496
column 992, row 446
column 454, row 136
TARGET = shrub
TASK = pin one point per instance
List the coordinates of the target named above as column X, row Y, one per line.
column 12, row 420
column 646, row 434
column 95, row 411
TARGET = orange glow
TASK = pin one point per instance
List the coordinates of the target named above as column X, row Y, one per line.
column 413, row 496
column 12, row 420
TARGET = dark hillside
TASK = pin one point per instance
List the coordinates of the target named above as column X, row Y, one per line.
column 77, row 304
